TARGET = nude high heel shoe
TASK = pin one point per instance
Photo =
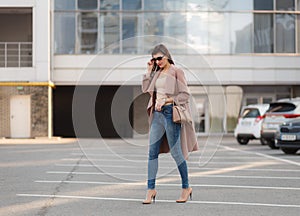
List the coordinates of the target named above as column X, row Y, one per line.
column 185, row 194
column 151, row 194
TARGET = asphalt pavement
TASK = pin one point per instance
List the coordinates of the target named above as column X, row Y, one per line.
column 108, row 177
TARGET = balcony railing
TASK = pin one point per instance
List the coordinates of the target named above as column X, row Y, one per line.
column 15, row 54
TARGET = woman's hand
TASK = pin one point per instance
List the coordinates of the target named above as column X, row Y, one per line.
column 159, row 103
column 150, row 65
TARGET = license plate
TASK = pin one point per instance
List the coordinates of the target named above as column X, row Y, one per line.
column 288, row 137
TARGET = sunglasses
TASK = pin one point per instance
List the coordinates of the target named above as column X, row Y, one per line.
column 158, row 58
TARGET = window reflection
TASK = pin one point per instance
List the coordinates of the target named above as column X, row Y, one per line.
column 109, row 32
column 175, row 27
column 64, row 5
column 285, row 33
column 219, row 37
column 87, row 4
column 210, row 26
column 175, row 5
column 298, row 31
column 241, row 33
column 109, row 5
column 87, row 32
column 130, row 29
column 131, row 4
column 64, row 33
column 238, row 5
column 263, row 33
column 218, row 5
column 154, row 5
column 197, row 25
column 263, row 5
column 288, row 5
column 153, row 24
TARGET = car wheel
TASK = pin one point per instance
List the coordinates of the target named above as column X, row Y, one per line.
column 242, row 141
column 271, row 144
column 263, row 141
column 289, row 150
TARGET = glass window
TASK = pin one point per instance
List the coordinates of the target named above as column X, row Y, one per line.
column 109, row 5
column 130, row 31
column 64, row 33
column 285, row 5
column 131, row 4
column 298, row 31
column 229, row 5
column 219, row 33
column 87, row 32
column 250, row 113
column 197, row 5
column 217, row 5
column 263, row 33
column 110, row 33
column 197, row 25
column 175, row 4
column 285, row 33
column 153, row 24
column 281, row 107
column 64, row 5
column 175, row 27
column 87, row 4
column 241, row 32
column 238, row 5
column 263, row 5
column 154, row 5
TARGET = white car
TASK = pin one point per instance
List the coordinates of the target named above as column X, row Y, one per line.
column 249, row 123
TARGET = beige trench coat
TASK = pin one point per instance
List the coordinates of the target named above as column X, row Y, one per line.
column 176, row 87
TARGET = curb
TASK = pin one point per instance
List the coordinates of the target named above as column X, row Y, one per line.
column 37, row 140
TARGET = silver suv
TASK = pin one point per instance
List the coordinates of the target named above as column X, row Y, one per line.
column 279, row 112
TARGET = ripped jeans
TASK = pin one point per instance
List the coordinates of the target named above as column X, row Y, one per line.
column 162, row 123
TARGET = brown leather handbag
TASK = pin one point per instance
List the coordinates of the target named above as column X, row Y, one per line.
column 181, row 114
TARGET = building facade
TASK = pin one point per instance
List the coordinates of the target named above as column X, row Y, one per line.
column 80, row 62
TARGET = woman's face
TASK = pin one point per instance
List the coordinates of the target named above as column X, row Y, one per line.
column 160, row 59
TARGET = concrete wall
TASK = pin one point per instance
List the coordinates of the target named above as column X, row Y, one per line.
column 203, row 70
column 40, row 70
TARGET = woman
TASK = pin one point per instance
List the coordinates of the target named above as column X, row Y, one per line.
column 167, row 85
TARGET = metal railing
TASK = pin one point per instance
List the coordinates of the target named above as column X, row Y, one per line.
column 15, row 54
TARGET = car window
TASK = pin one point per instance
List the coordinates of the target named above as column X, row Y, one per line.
column 281, row 107
column 250, row 113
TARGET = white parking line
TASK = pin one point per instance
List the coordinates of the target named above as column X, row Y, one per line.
column 278, row 159
column 206, row 155
column 263, row 155
column 168, row 185
column 162, row 201
column 161, row 161
column 171, row 175
column 164, row 167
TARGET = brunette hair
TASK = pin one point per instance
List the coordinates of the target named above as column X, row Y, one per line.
column 160, row 48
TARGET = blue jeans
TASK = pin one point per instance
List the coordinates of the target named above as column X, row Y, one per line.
column 162, row 123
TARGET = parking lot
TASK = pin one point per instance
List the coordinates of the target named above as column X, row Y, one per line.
column 108, row 177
